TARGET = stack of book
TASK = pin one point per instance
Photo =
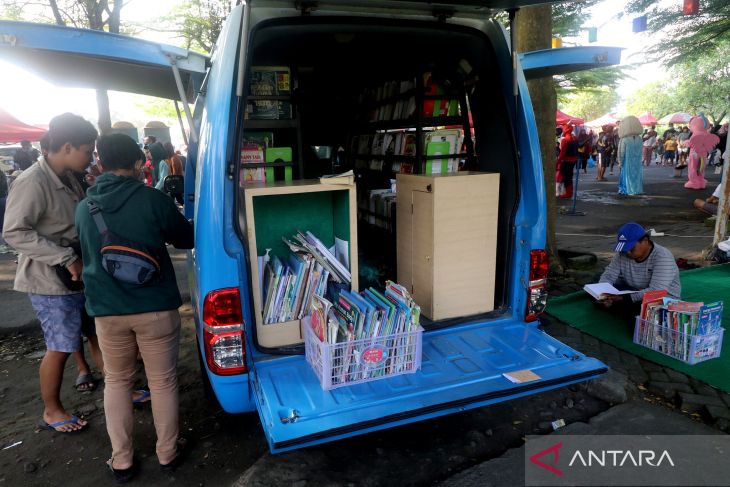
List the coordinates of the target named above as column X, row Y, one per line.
column 385, row 109
column 290, row 283
column 670, row 326
column 269, row 81
column 367, row 321
column 253, row 152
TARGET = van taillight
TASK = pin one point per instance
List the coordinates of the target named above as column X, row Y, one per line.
column 225, row 351
column 537, row 289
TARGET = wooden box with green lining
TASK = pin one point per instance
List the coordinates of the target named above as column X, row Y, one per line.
column 280, row 209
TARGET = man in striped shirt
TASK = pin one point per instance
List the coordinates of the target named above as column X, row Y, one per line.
column 640, row 265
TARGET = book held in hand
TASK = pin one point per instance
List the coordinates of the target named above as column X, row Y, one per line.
column 600, row 290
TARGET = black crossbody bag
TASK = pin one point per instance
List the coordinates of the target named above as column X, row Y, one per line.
column 123, row 259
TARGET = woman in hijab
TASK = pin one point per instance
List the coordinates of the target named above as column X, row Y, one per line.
column 567, row 158
column 631, row 181
column 157, row 155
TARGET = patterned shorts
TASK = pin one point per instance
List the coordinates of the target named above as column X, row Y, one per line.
column 63, row 320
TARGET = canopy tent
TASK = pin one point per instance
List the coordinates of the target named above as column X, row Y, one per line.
column 563, row 118
column 607, row 119
column 13, row 130
column 647, row 119
column 676, row 117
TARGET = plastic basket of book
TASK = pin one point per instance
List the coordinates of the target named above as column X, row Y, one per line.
column 691, row 349
column 357, row 361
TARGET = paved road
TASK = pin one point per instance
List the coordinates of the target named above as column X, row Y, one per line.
column 666, row 207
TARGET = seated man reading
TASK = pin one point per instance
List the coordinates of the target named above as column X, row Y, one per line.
column 709, row 205
column 640, row 265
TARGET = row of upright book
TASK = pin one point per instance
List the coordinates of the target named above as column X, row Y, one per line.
column 391, row 101
column 257, row 150
column 684, row 330
column 289, row 283
column 271, row 81
column 444, row 142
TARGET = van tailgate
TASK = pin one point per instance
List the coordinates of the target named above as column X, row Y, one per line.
column 461, row 369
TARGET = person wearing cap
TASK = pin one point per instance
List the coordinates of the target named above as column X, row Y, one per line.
column 639, row 264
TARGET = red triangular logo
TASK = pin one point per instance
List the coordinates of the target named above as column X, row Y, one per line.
column 556, row 453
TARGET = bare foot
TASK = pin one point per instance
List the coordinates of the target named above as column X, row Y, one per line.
column 61, row 416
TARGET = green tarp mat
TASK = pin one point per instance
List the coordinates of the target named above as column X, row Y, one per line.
column 707, row 284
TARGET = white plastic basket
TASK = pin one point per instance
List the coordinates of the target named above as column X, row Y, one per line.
column 358, row 361
column 691, row 349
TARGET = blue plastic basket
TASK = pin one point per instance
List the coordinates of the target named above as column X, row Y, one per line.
column 690, row 349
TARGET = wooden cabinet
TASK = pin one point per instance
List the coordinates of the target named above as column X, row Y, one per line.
column 447, row 241
column 280, row 209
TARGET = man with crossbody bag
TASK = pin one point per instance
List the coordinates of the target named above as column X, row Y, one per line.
column 132, row 292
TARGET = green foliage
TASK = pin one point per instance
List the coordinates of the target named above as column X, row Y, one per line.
column 680, row 39
column 657, row 97
column 699, row 86
column 590, row 105
column 568, row 17
column 157, row 108
column 199, row 22
column 11, row 12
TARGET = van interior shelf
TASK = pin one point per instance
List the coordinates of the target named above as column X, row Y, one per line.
column 269, row 97
column 411, row 123
column 408, row 95
column 270, row 124
column 268, row 164
column 398, row 157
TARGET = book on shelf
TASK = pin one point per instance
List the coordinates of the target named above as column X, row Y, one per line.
column 345, row 178
column 455, row 139
column 291, row 282
column 437, row 166
column 269, row 81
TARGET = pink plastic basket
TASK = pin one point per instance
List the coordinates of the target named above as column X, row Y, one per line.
column 690, row 349
column 358, row 361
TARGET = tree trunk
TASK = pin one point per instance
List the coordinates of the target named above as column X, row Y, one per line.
column 105, row 118
column 534, row 31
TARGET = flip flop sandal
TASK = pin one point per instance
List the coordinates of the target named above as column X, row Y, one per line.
column 142, row 400
column 86, row 380
column 53, row 426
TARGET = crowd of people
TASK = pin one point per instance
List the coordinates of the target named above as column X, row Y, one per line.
column 91, row 218
column 630, row 146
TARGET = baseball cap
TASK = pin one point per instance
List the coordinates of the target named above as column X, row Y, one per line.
column 628, row 235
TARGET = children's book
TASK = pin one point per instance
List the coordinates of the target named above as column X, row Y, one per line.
column 437, row 166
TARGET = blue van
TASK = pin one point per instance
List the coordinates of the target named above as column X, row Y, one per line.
column 327, row 53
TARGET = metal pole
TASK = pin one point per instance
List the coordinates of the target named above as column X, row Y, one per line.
column 179, row 119
column 577, row 178
column 723, row 206
column 183, row 99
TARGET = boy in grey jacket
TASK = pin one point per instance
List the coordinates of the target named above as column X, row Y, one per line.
column 39, row 223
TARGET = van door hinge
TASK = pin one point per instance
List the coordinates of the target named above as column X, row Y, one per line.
column 231, row 170
column 442, row 15
column 306, row 7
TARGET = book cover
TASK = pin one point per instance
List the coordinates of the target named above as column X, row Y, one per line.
column 437, row 166
column 269, row 81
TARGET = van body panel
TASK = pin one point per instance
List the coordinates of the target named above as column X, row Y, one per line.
column 83, row 58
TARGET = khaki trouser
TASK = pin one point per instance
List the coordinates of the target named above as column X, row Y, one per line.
column 157, row 336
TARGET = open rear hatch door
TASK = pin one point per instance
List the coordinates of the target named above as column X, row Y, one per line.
column 461, row 369
column 551, row 62
column 83, row 58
